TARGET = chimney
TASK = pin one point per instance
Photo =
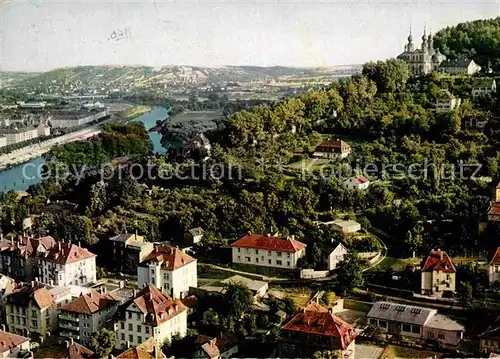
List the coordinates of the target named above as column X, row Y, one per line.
column 441, row 254
column 128, row 344
column 79, row 244
column 71, row 341
column 59, row 246
column 293, row 236
column 269, row 234
column 67, row 344
column 134, row 293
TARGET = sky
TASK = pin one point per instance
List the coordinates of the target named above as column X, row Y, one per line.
column 40, row 35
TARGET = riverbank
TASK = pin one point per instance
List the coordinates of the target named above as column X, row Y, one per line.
column 30, row 152
column 134, row 112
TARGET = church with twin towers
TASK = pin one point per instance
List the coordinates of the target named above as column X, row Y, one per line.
column 424, row 59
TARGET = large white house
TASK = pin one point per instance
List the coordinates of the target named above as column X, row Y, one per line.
column 87, row 314
column 459, row 67
column 169, row 268
column 268, row 251
column 357, row 183
column 446, row 101
column 494, row 268
column 150, row 314
column 65, row 264
column 484, row 86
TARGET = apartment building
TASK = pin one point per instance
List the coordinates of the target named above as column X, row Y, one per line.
column 44, row 259
column 87, row 314
column 438, row 274
column 151, row 313
column 17, row 135
column 128, row 251
column 30, row 308
column 77, row 118
column 169, row 268
column 268, row 251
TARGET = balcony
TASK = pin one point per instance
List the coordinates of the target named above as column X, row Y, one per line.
column 68, row 317
column 69, row 326
column 69, row 335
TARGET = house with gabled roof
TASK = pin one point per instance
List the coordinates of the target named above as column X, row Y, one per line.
column 357, row 183
column 150, row 349
column 494, row 268
column 13, row 345
column 268, row 251
column 446, row 101
column 438, row 274
column 221, row 347
column 151, row 313
column 169, row 268
column 87, row 314
column 30, row 308
column 329, row 149
column 316, row 328
column 489, row 340
column 484, row 86
column 459, row 67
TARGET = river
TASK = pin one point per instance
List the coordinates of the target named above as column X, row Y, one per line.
column 20, row 177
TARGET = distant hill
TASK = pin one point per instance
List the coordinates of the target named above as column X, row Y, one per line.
column 110, row 77
column 479, row 40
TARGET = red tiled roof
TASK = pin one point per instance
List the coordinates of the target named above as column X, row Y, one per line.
column 145, row 350
column 158, row 306
column 214, row 346
column 360, row 179
column 494, row 208
column 65, row 253
column 9, row 341
column 438, row 261
column 22, row 295
column 170, row 258
column 270, row 243
column 311, row 320
column 496, row 257
column 92, row 302
column 332, row 144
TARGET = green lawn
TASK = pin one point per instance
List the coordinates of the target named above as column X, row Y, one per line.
column 309, row 163
column 396, row 264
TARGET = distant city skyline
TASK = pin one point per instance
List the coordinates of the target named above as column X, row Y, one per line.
column 39, row 35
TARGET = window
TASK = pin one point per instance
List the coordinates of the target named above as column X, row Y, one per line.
column 407, row 328
column 279, row 254
column 288, row 255
column 123, row 336
column 129, row 315
column 441, row 336
column 256, row 260
column 262, row 257
column 268, row 253
column 288, row 263
column 139, row 328
column 415, row 329
column 248, row 259
column 239, row 250
column 430, row 335
column 33, row 313
column 256, row 251
column 147, row 330
column 382, row 323
column 130, row 327
column 122, row 325
column 269, row 261
column 138, row 316
column 139, row 340
column 131, row 338
column 278, row 262
column 34, row 323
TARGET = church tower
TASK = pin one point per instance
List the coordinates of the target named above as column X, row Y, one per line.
column 424, row 41
column 430, row 43
column 410, row 47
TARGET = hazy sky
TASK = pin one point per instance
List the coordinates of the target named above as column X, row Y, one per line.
column 42, row 35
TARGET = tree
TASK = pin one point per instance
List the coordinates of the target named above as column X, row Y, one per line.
column 238, row 299
column 350, row 273
column 465, row 295
column 327, row 354
column 389, row 76
column 102, row 342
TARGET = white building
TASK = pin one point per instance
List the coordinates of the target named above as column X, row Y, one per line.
column 67, row 120
column 87, row 314
column 150, row 313
column 17, row 135
column 484, row 86
column 446, row 101
column 64, row 264
column 337, row 149
column 336, row 256
column 169, row 268
column 43, row 130
column 494, row 268
column 345, row 227
column 268, row 251
column 3, row 141
column 460, row 67
column 14, row 346
column 22, row 104
column 423, row 60
column 357, row 183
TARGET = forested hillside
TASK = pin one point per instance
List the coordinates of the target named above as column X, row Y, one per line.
column 479, row 40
